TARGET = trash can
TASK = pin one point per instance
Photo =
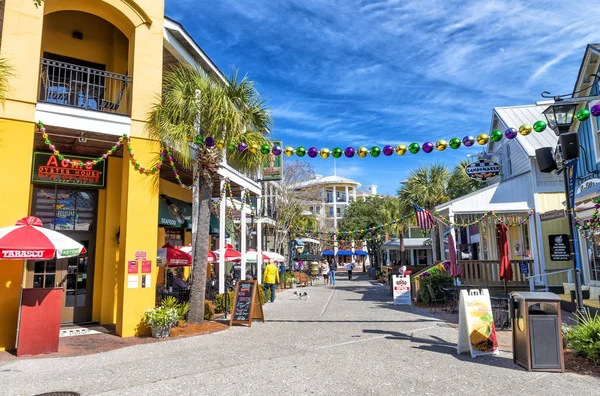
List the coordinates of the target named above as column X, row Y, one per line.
column 536, row 327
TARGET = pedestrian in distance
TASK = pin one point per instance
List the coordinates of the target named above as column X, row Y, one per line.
column 325, row 272
column 270, row 279
column 349, row 268
column 332, row 269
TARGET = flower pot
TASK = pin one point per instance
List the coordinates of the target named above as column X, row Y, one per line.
column 161, row 332
column 293, row 285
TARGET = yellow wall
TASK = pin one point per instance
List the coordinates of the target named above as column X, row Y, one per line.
column 548, row 202
column 551, row 201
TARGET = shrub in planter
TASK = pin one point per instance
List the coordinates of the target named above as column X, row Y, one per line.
column 209, row 310
column 435, row 280
column 584, row 338
column 261, row 295
column 220, row 302
column 181, row 308
column 160, row 320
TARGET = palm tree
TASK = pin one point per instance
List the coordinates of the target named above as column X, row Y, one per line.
column 6, row 71
column 460, row 183
column 193, row 107
column 394, row 210
column 426, row 186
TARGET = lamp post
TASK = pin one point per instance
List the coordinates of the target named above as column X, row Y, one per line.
column 560, row 118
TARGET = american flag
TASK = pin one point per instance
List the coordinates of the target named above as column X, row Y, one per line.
column 424, row 218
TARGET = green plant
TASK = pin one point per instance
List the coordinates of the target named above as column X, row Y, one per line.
column 160, row 317
column 181, row 308
column 262, row 295
column 220, row 302
column 209, row 310
column 584, row 338
column 435, row 281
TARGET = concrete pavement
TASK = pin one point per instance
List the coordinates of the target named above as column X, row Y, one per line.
column 344, row 340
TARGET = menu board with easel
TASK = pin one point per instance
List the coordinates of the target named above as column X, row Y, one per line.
column 476, row 329
column 246, row 305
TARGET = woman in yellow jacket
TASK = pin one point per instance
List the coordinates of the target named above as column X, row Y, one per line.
column 270, row 279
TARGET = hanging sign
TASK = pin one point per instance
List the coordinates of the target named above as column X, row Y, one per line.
column 560, row 249
column 586, row 185
column 476, row 329
column 48, row 168
column 483, row 170
column 572, row 179
column 273, row 166
column 246, row 305
column 401, row 285
column 553, row 215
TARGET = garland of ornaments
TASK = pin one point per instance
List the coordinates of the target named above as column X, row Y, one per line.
column 587, row 228
column 481, row 218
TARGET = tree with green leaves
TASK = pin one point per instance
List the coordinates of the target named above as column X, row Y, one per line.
column 460, row 183
column 192, row 107
column 402, row 215
column 426, row 186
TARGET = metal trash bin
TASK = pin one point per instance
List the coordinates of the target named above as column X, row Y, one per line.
column 536, row 331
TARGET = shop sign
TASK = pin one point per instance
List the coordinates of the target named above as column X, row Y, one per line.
column 48, row 168
column 401, row 286
column 483, row 170
column 273, row 166
column 560, row 249
column 586, row 185
column 553, row 215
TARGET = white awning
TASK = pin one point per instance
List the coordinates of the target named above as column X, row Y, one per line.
column 309, row 240
column 409, row 243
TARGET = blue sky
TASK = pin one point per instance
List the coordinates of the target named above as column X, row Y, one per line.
column 351, row 73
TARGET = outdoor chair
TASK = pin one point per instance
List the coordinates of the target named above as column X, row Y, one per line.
column 114, row 106
column 56, row 91
column 436, row 300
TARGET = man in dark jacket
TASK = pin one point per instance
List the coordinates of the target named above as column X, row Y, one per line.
column 332, row 269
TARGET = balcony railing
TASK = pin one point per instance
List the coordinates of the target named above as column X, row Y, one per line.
column 85, row 88
column 475, row 272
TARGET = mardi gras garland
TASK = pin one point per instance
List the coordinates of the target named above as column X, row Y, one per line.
column 588, row 228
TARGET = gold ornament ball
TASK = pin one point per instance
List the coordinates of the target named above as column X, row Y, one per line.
column 220, row 143
column 288, row 151
column 362, row 152
column 441, row 145
column 324, row 153
column 482, row 139
column 401, row 149
column 525, row 129
column 253, row 148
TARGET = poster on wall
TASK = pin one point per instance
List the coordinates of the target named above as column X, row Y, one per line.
column 273, row 166
column 560, row 249
column 401, row 286
column 48, row 168
column 476, row 329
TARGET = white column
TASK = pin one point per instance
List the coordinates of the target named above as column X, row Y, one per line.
column 441, row 240
column 453, row 232
column 222, row 219
column 347, row 196
column 243, row 235
column 334, row 209
column 259, row 244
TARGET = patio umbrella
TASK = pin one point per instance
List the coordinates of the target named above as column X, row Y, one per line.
column 251, row 255
column 174, row 258
column 188, row 249
column 274, row 256
column 454, row 268
column 230, row 253
column 29, row 240
column 505, row 269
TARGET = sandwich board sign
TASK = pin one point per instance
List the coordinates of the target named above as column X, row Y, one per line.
column 401, row 290
column 476, row 329
column 246, row 305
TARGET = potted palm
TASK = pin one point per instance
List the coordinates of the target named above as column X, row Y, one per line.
column 160, row 320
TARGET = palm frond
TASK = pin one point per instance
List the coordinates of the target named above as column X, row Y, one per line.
column 6, row 71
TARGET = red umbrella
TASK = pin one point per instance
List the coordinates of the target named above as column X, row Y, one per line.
column 230, row 253
column 454, row 268
column 505, row 268
column 188, row 249
column 176, row 258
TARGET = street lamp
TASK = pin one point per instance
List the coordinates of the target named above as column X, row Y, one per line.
column 560, row 118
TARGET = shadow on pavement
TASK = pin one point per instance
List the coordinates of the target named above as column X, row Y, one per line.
column 439, row 345
column 349, row 321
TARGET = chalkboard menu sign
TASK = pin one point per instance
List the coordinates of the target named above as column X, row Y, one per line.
column 246, row 305
column 560, row 249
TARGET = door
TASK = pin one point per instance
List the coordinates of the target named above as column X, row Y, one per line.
column 76, row 276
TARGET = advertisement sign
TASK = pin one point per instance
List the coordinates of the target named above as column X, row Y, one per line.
column 146, row 267
column 476, row 329
column 401, row 286
column 273, row 166
column 483, row 170
column 48, row 168
column 560, row 248
column 572, row 179
column 132, row 267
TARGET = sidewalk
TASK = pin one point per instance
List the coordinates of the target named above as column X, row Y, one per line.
column 347, row 340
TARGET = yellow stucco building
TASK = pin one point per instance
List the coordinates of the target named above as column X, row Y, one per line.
column 90, row 70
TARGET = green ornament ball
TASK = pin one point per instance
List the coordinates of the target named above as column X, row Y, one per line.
column 300, row 151
column 231, row 147
column 414, row 148
column 265, row 149
column 336, row 152
column 454, row 143
column 583, row 114
column 375, row 151
column 199, row 139
column 539, row 126
column 496, row 135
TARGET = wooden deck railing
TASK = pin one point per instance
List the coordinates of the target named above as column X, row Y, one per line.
column 477, row 272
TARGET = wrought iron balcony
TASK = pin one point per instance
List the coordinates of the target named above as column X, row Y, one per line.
column 84, row 87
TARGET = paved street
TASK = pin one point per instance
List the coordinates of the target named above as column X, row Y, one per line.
column 347, row 340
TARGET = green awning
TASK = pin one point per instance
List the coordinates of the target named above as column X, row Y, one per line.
column 175, row 213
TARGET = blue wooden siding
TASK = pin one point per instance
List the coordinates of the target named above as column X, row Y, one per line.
column 587, row 156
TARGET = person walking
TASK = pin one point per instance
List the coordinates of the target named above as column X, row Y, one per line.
column 332, row 269
column 270, row 279
column 349, row 268
column 325, row 271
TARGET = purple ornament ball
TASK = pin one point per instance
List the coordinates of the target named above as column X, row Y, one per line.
column 468, row 141
column 428, row 147
column 313, row 152
column 511, row 133
column 209, row 141
column 349, row 152
column 277, row 150
column 242, row 146
column 388, row 150
column 595, row 110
